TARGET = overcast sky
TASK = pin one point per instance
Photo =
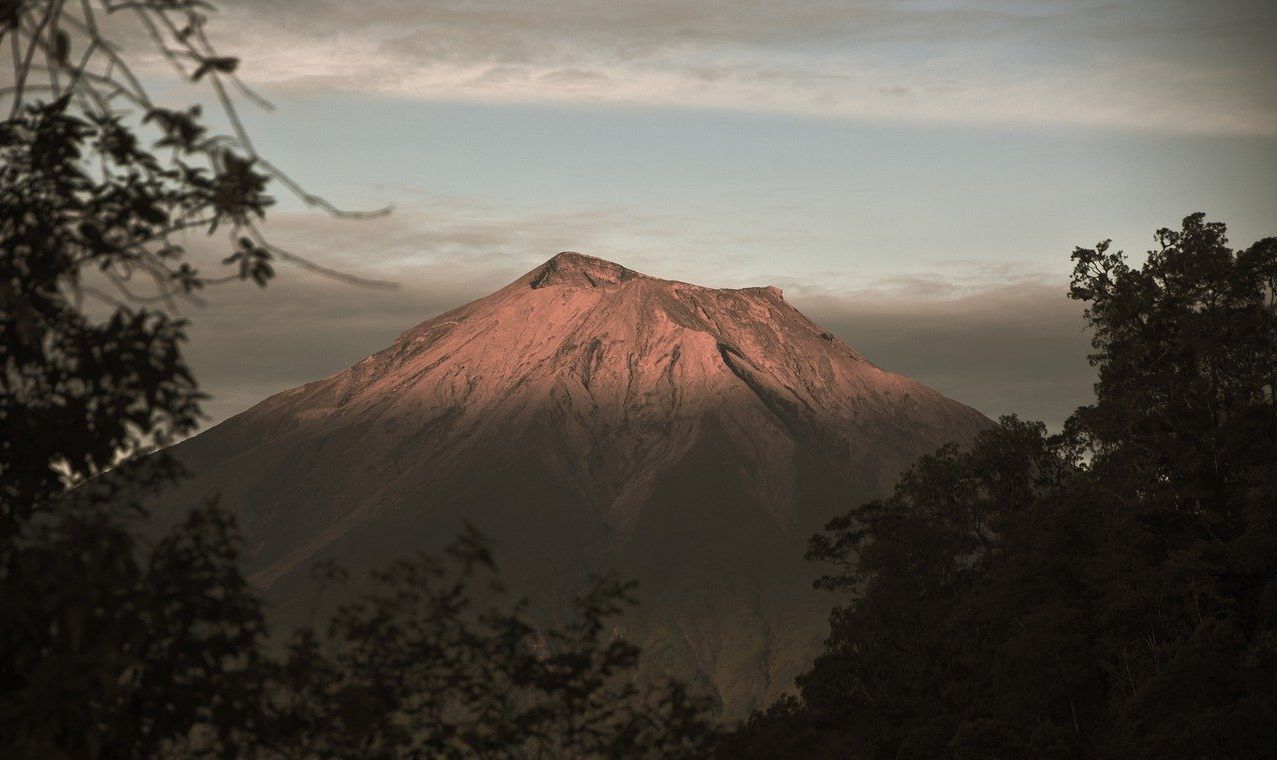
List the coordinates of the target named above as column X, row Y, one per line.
column 913, row 174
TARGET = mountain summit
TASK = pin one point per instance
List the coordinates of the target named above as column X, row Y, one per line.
column 589, row 417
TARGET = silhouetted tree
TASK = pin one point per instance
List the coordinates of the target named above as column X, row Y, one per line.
column 88, row 211
column 110, row 648
column 432, row 663
column 113, row 645
column 1107, row 592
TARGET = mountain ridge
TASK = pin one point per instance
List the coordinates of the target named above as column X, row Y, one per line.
column 591, row 417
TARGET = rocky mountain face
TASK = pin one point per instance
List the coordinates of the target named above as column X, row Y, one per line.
column 588, row 417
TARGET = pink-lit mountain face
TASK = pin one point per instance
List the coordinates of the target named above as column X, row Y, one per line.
column 588, row 417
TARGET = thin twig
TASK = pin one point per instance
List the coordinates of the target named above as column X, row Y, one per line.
column 139, row 95
column 304, row 263
column 244, row 89
column 50, row 55
column 96, row 90
column 25, row 64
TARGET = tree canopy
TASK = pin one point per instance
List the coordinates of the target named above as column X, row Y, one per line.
column 1110, row 591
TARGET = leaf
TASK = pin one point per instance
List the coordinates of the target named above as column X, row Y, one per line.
column 223, row 64
column 61, row 47
column 10, row 11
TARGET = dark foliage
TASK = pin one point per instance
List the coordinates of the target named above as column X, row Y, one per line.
column 99, row 189
column 119, row 639
column 79, row 393
column 119, row 648
column 1108, row 592
column 114, row 649
column 433, row 664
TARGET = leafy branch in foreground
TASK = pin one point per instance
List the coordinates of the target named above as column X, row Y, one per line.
column 100, row 189
column 121, row 638
column 60, row 49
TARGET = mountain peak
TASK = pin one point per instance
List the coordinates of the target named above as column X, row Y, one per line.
column 572, row 269
column 576, row 269
column 588, row 418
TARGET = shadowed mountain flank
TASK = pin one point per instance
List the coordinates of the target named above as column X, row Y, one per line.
column 588, row 417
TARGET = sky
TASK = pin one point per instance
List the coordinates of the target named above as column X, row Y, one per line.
column 913, row 174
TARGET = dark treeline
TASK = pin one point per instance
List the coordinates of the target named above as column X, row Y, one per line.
column 1109, row 591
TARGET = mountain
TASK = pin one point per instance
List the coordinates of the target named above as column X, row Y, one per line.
column 589, row 417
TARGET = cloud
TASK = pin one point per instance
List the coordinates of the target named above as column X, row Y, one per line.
column 248, row 343
column 1174, row 66
column 1000, row 336
column 1003, row 348
column 994, row 335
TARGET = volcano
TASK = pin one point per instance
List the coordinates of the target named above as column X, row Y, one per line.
column 587, row 417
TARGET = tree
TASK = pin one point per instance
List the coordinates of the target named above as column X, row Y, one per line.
column 1106, row 592
column 111, row 645
column 89, row 211
column 116, row 649
column 116, row 643
column 435, row 662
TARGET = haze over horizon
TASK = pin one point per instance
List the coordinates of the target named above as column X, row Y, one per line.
column 914, row 175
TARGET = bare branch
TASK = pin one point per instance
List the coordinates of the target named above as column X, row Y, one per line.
column 304, row 263
column 23, row 66
column 102, row 82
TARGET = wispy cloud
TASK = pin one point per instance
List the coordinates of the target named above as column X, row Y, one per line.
column 999, row 336
column 442, row 251
column 1173, row 66
column 1010, row 343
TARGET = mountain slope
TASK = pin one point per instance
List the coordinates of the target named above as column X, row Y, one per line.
column 587, row 417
